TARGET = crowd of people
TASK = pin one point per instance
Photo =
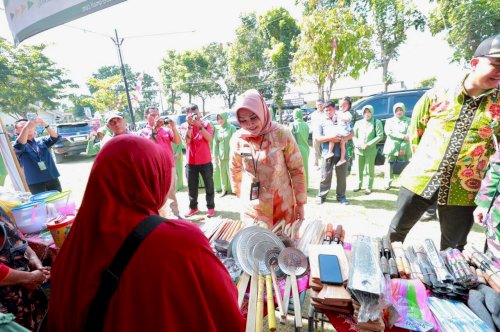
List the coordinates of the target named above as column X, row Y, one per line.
column 449, row 142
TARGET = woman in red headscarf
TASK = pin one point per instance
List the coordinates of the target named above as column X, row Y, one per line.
column 173, row 282
column 266, row 165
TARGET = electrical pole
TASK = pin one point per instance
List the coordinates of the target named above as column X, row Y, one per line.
column 118, row 43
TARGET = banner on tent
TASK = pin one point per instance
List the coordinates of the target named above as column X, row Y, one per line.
column 29, row 17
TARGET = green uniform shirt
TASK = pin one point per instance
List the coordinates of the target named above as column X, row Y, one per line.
column 451, row 135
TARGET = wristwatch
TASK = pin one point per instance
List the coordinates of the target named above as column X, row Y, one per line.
column 47, row 126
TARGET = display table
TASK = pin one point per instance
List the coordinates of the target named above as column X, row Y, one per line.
column 43, row 245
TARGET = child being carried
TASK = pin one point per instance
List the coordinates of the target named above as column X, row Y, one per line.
column 341, row 128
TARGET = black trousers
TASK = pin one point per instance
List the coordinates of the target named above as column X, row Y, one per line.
column 455, row 221
column 45, row 186
column 192, row 174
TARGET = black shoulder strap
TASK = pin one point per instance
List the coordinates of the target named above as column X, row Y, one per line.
column 110, row 277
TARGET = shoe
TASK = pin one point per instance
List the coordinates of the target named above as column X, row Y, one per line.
column 211, row 213
column 341, row 162
column 329, row 155
column 320, row 200
column 343, row 201
column 387, row 187
column 357, row 189
column 368, row 192
column 223, row 193
column 191, row 212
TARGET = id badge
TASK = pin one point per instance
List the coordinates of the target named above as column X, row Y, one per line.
column 254, row 190
column 42, row 166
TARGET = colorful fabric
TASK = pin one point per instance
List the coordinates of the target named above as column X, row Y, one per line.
column 489, row 196
column 452, row 139
column 253, row 101
column 174, row 282
column 280, row 172
column 28, row 306
column 300, row 131
column 33, row 152
column 198, row 149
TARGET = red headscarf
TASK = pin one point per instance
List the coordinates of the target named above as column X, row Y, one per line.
column 172, row 283
column 253, row 101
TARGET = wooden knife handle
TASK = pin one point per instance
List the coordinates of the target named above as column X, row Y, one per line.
column 271, row 314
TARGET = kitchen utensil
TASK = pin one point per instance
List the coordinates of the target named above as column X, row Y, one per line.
column 293, row 262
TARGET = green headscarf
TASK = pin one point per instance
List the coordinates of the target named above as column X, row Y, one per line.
column 224, row 117
column 401, row 105
column 298, row 115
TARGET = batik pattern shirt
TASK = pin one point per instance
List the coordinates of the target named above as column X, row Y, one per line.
column 451, row 135
column 280, row 173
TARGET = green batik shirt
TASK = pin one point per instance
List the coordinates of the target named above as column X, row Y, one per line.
column 451, row 135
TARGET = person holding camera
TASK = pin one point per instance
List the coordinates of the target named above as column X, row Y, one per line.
column 163, row 135
column 35, row 157
column 198, row 135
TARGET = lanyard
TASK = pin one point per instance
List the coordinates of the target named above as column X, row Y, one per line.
column 36, row 151
column 255, row 162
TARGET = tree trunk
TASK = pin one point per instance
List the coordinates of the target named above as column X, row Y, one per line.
column 203, row 105
column 319, row 86
column 385, row 65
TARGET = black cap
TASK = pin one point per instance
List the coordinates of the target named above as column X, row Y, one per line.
column 329, row 103
column 489, row 47
column 193, row 107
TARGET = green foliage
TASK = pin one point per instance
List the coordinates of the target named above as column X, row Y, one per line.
column 170, row 76
column 29, row 80
column 467, row 23
column 427, row 83
column 107, row 95
column 149, row 90
column 80, row 102
column 279, row 30
column 313, row 58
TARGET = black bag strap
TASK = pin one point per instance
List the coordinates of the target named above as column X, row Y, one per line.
column 110, row 277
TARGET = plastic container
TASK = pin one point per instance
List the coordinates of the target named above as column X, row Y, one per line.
column 43, row 196
column 30, row 217
column 59, row 204
column 59, row 228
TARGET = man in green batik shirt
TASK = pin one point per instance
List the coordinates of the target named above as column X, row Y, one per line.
column 451, row 135
column 300, row 131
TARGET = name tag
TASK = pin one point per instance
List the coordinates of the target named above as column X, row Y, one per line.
column 254, row 190
column 42, row 166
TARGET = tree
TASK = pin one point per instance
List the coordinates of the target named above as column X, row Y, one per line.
column 80, row 102
column 279, row 30
column 218, row 60
column 467, row 23
column 149, row 90
column 169, row 70
column 107, row 95
column 246, row 57
column 427, row 83
column 30, row 81
column 391, row 20
column 320, row 32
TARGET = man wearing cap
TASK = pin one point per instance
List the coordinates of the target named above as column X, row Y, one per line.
column 164, row 136
column 328, row 164
column 35, row 157
column 198, row 135
column 452, row 135
column 115, row 124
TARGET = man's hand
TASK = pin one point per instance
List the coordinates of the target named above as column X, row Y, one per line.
column 36, row 278
column 335, row 139
column 479, row 215
column 299, row 212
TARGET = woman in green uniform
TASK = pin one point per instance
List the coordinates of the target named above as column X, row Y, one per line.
column 220, row 151
column 300, row 131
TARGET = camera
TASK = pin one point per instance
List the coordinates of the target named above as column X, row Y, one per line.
column 194, row 117
column 30, row 116
column 166, row 119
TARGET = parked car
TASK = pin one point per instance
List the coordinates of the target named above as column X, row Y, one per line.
column 231, row 117
column 382, row 105
column 74, row 139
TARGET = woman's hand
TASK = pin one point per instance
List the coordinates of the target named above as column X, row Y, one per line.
column 36, row 278
column 479, row 215
column 299, row 212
